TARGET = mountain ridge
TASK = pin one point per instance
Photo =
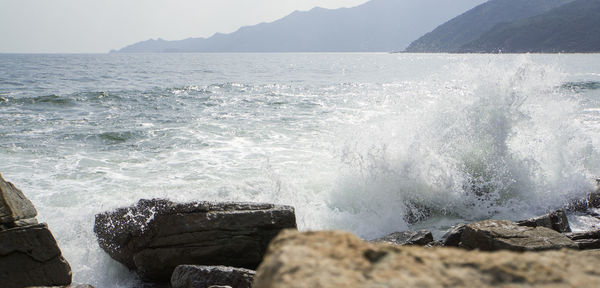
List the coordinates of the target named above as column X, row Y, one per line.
column 374, row 26
column 469, row 26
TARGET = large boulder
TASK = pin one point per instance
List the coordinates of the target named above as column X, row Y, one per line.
column 340, row 259
column 157, row 235
column 15, row 208
column 194, row 276
column 556, row 221
column 421, row 238
column 29, row 256
column 491, row 235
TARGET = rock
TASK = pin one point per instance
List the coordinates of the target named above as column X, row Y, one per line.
column 586, row 240
column 155, row 236
column 14, row 206
column 340, row 259
column 421, row 238
column 592, row 200
column 452, row 237
column 491, row 235
column 193, row 276
column 556, row 220
column 29, row 256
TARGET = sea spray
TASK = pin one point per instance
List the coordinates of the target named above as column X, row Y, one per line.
column 501, row 140
column 369, row 143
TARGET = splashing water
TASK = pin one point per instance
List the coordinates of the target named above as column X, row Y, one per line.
column 371, row 143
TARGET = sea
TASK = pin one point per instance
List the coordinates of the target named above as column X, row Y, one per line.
column 368, row 143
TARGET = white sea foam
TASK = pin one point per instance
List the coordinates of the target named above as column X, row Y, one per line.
column 355, row 143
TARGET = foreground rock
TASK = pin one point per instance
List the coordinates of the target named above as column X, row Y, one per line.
column 491, row 235
column 29, row 254
column 340, row 259
column 193, row 276
column 155, row 236
column 556, row 221
column 421, row 238
column 586, row 240
column 15, row 209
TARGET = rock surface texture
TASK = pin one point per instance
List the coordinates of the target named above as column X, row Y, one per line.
column 421, row 238
column 556, row 221
column 155, row 236
column 586, row 240
column 15, row 208
column 491, row 235
column 193, row 276
column 340, row 259
column 29, row 254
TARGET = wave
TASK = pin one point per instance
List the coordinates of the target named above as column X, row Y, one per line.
column 502, row 142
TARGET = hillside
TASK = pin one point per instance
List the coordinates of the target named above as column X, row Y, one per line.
column 574, row 27
column 378, row 25
column 468, row 27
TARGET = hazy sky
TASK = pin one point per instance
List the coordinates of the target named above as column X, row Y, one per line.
column 96, row 26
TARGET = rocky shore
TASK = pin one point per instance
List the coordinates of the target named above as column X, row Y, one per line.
column 225, row 244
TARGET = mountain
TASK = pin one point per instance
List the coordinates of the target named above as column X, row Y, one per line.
column 468, row 27
column 573, row 27
column 378, row 25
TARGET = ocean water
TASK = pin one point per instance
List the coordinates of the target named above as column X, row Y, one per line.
column 370, row 143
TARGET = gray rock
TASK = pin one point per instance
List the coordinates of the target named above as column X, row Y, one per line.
column 421, row 238
column 491, row 235
column 452, row 237
column 14, row 205
column 155, row 236
column 592, row 200
column 556, row 221
column 29, row 256
column 586, row 240
column 194, row 276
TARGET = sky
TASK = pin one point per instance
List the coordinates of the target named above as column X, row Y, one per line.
column 97, row 26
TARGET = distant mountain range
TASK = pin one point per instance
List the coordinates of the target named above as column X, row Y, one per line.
column 517, row 26
column 376, row 26
column 573, row 27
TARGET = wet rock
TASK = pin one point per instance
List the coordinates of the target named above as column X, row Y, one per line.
column 14, row 206
column 29, row 256
column 586, row 240
column 340, row 259
column 194, row 276
column 592, row 200
column 421, row 238
column 492, row 235
column 556, row 221
column 155, row 236
column 452, row 237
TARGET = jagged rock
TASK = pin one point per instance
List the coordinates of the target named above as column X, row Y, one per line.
column 586, row 240
column 421, row 238
column 14, row 206
column 193, row 276
column 491, row 235
column 340, row 259
column 592, row 200
column 556, row 221
column 29, row 256
column 452, row 237
column 155, row 236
